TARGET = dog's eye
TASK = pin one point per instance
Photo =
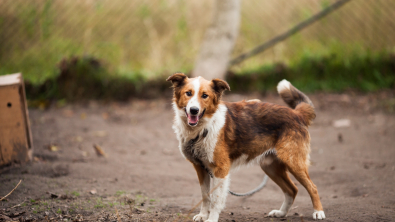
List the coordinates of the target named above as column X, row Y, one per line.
column 189, row 93
column 204, row 96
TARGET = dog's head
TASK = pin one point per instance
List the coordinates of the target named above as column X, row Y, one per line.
column 197, row 97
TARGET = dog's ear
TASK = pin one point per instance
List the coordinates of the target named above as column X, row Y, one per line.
column 177, row 79
column 219, row 86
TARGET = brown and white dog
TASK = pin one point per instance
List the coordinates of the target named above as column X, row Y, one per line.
column 217, row 136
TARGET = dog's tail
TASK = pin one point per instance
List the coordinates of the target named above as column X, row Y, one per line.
column 297, row 100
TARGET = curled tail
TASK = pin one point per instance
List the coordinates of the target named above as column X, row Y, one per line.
column 297, row 101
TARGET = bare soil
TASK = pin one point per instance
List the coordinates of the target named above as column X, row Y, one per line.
column 143, row 177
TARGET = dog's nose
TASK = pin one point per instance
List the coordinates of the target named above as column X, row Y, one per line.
column 194, row 110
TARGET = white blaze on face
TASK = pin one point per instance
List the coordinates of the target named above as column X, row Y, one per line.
column 194, row 102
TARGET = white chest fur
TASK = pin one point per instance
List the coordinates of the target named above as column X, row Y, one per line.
column 204, row 147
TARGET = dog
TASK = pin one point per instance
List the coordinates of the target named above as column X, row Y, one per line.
column 217, row 136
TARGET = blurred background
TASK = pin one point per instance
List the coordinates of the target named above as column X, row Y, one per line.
column 125, row 45
column 99, row 158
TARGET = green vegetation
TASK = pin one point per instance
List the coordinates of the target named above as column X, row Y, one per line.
column 87, row 78
column 75, row 193
column 100, row 203
column 131, row 36
column 120, row 193
column 35, row 207
column 69, row 50
column 39, row 207
column 330, row 73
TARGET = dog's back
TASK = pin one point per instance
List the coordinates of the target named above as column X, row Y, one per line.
column 259, row 126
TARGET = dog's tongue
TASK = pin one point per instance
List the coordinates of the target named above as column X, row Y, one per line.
column 193, row 119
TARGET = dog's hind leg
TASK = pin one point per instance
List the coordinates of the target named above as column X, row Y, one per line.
column 277, row 171
column 295, row 155
column 204, row 181
column 302, row 175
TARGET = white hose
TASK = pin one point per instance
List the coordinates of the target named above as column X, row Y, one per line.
column 252, row 191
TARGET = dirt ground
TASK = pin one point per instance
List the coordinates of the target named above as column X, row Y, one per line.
column 144, row 177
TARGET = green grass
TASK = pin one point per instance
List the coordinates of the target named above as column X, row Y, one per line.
column 100, row 203
column 75, row 193
column 120, row 193
column 329, row 73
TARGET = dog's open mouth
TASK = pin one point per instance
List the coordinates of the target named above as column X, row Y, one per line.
column 194, row 119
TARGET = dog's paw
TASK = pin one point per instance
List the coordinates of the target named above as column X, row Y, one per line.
column 200, row 217
column 276, row 213
column 318, row 215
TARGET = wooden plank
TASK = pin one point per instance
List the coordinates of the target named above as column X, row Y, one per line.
column 29, row 135
column 14, row 124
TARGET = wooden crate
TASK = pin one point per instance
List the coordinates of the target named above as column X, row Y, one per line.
column 15, row 135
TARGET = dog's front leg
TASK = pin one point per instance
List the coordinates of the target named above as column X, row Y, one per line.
column 218, row 197
column 204, row 180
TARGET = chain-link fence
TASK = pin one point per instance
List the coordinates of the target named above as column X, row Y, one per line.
column 164, row 36
column 358, row 27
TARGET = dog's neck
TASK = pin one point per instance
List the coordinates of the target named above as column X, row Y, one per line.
column 209, row 127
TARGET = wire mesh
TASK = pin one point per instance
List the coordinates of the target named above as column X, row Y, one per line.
column 164, row 36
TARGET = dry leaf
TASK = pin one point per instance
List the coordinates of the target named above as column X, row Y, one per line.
column 53, row 148
column 99, row 150
column 93, row 192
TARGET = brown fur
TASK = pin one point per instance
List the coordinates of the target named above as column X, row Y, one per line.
column 300, row 103
column 210, row 103
column 277, row 171
column 222, row 162
column 252, row 128
column 182, row 84
column 200, row 172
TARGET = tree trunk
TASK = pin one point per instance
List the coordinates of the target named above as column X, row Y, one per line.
column 220, row 37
